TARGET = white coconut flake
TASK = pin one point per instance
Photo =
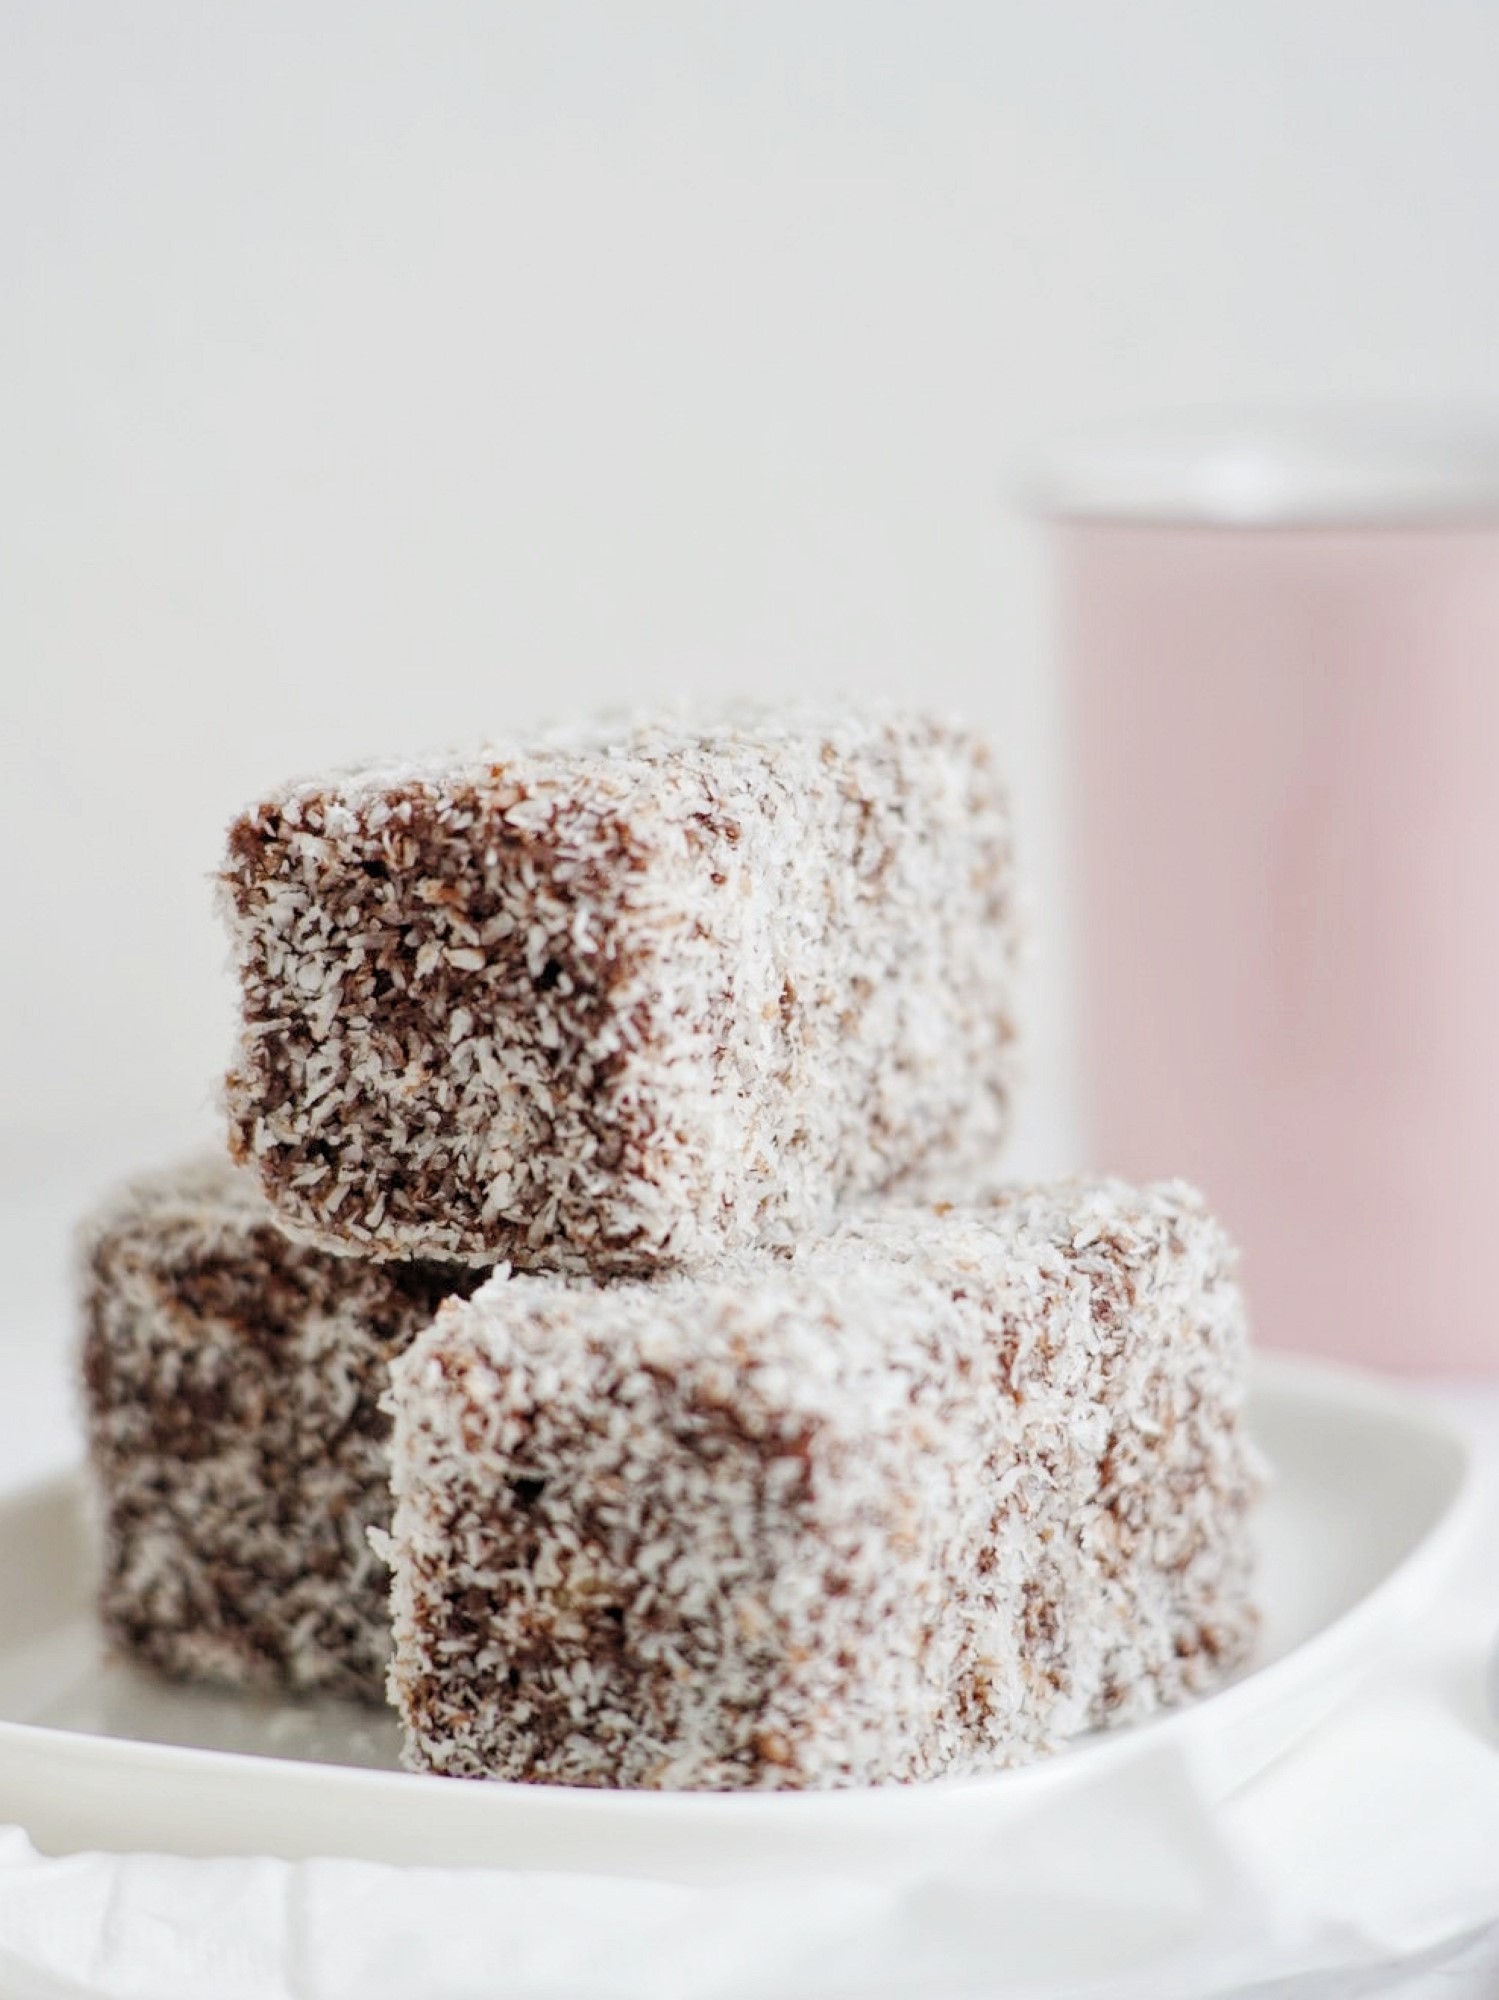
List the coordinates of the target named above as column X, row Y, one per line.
column 237, row 1447
column 707, row 981
column 925, row 1497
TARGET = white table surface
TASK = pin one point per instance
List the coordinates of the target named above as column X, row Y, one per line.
column 40, row 1434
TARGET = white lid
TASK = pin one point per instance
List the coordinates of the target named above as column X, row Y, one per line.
column 1250, row 472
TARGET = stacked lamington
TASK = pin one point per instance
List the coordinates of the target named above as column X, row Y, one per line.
column 577, row 1344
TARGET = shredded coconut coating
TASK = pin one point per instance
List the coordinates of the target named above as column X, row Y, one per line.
column 614, row 1005
column 927, row 1497
column 232, row 1384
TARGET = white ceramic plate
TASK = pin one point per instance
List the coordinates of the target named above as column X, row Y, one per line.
column 1364, row 1509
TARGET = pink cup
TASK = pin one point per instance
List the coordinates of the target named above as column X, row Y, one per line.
column 1283, row 683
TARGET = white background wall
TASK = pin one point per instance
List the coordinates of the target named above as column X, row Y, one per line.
column 375, row 375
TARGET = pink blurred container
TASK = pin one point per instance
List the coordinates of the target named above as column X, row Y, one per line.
column 1283, row 685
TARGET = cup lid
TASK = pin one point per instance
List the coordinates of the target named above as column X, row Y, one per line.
column 1326, row 470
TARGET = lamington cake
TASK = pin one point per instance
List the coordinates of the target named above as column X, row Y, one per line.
column 927, row 1496
column 622, row 1002
column 239, row 1452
